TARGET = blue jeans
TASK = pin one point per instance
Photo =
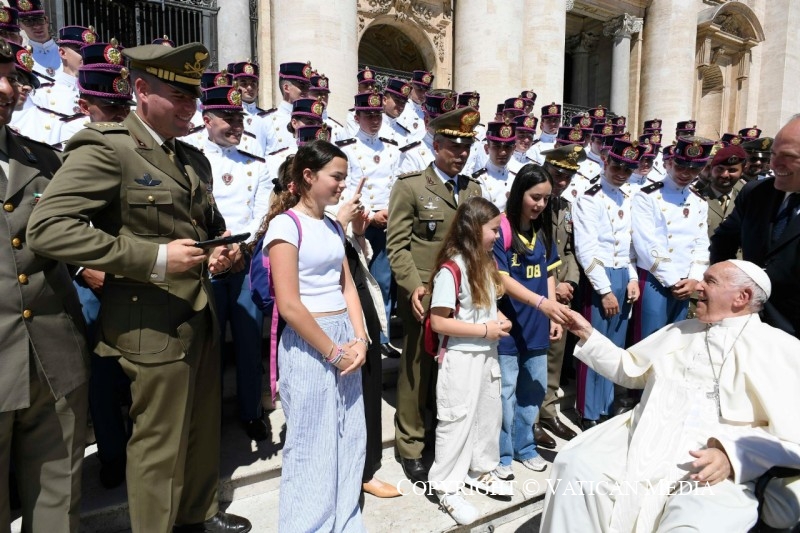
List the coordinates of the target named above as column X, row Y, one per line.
column 523, row 385
column 234, row 305
column 382, row 272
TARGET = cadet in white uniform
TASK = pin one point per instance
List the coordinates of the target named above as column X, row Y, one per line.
column 320, row 89
column 35, row 23
column 395, row 98
column 550, row 122
column 418, row 155
column 499, row 172
column 670, row 238
column 413, row 116
column 241, row 191
column 575, row 135
column 305, row 112
column 366, row 83
column 603, row 247
column 377, row 160
column 295, row 80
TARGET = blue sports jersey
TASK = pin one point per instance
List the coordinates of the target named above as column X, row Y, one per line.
column 531, row 328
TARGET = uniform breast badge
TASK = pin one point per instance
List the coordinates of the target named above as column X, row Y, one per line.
column 685, row 212
column 227, row 178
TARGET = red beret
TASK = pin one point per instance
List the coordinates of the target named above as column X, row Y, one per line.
column 730, row 155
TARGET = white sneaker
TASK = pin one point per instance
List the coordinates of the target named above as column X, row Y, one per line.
column 504, row 472
column 457, row 507
column 536, row 464
column 490, row 482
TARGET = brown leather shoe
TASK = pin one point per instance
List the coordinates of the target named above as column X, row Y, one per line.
column 542, row 439
column 557, row 427
column 380, row 489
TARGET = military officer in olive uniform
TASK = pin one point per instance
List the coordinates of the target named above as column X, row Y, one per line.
column 131, row 202
column 724, row 184
column 43, row 360
column 421, row 208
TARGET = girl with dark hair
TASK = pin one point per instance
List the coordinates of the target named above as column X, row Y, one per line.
column 468, row 384
column 320, row 351
column 527, row 258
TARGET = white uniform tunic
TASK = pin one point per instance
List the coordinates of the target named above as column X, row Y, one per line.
column 417, row 156
column 496, row 182
column 241, row 187
column 392, row 129
column 61, row 97
column 547, row 141
column 72, row 126
column 45, row 57
column 593, row 165
column 602, row 229
column 276, row 159
column 669, row 232
column 579, row 185
column 379, row 161
column 413, row 119
column 38, row 124
column 276, row 134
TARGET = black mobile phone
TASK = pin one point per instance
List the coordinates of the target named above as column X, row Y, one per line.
column 219, row 241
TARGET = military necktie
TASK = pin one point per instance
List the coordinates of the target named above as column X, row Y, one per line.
column 169, row 147
column 785, row 215
column 453, row 188
column 724, row 200
column 3, row 177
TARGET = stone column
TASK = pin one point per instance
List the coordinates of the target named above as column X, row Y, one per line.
column 579, row 46
column 779, row 98
column 620, row 29
column 668, row 65
column 543, row 49
column 324, row 33
column 267, row 82
column 489, row 66
column 233, row 31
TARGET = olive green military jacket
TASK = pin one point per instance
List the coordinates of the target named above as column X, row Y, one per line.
column 717, row 209
column 421, row 209
column 565, row 240
column 40, row 315
column 115, row 199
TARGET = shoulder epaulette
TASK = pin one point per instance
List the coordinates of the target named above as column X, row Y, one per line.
column 188, row 146
column 252, row 156
column 346, row 142
column 70, row 118
column 279, row 150
column 336, row 122
column 403, row 127
column 408, row 175
column 595, row 179
column 591, row 191
column 389, row 141
column 264, row 113
column 352, row 109
column 478, row 173
column 107, row 127
column 694, row 190
column 470, row 178
column 45, row 76
column 56, row 113
column 653, row 187
column 409, row 146
column 25, row 141
column 251, row 135
column 196, row 129
column 535, row 141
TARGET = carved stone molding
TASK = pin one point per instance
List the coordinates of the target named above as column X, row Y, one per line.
column 434, row 17
column 623, row 26
column 198, row 3
column 254, row 9
column 570, row 5
column 582, row 42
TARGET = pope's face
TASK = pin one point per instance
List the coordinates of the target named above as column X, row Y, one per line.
column 715, row 294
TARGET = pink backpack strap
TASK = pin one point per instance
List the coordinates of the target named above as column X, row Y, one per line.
column 505, row 226
column 273, row 325
column 456, row 272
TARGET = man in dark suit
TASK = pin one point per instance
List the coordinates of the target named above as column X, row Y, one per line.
column 765, row 224
column 131, row 202
column 43, row 359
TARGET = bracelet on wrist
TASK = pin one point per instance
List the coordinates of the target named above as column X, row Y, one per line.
column 540, row 303
column 486, row 329
column 363, row 341
column 329, row 357
column 338, row 357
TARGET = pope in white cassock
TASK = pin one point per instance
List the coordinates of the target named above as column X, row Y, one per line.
column 719, row 408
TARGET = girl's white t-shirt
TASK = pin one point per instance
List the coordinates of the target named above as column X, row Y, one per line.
column 320, row 257
column 444, row 295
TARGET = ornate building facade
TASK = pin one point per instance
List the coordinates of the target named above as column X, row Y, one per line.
column 729, row 64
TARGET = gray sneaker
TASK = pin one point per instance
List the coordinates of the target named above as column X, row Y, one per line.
column 457, row 507
column 537, row 464
column 504, row 472
column 491, row 483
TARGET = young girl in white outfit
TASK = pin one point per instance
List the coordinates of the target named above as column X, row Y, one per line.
column 320, row 351
column 468, row 385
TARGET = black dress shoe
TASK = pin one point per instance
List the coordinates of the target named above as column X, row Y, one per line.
column 588, row 424
column 389, row 351
column 219, row 523
column 557, row 427
column 112, row 473
column 256, row 429
column 542, row 439
column 415, row 470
